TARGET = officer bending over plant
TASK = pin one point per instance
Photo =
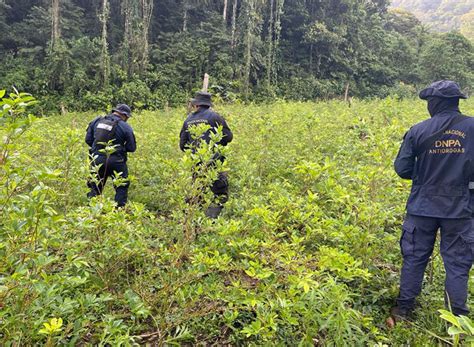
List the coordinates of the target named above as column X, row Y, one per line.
column 438, row 156
column 110, row 139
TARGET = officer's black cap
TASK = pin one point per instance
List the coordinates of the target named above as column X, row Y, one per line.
column 202, row 99
column 443, row 89
column 123, row 109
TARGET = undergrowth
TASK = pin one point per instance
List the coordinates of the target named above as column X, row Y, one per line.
column 305, row 253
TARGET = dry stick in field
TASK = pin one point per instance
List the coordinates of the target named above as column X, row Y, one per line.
column 205, row 83
column 347, row 98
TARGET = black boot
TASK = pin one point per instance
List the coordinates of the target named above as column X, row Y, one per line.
column 214, row 211
column 397, row 315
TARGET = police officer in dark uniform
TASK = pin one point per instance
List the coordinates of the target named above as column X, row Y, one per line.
column 204, row 115
column 113, row 129
column 438, row 156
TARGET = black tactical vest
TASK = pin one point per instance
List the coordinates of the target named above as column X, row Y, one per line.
column 104, row 132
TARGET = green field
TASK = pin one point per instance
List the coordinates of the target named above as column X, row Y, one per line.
column 306, row 251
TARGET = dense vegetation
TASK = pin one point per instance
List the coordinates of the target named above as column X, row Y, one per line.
column 441, row 15
column 305, row 252
column 83, row 54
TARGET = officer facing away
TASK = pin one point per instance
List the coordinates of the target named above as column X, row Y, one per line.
column 203, row 114
column 438, row 156
column 100, row 131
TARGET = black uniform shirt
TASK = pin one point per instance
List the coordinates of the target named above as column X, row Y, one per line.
column 204, row 116
column 441, row 174
column 124, row 136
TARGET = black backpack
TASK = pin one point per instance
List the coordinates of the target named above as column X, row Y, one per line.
column 104, row 132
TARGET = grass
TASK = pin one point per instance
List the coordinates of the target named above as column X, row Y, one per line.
column 306, row 251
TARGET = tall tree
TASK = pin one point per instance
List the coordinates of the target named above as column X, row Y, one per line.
column 234, row 23
column 224, row 12
column 146, row 15
column 456, row 62
column 273, row 39
column 271, row 26
column 127, row 45
column 105, row 59
column 186, row 5
column 276, row 37
column 253, row 23
column 55, row 23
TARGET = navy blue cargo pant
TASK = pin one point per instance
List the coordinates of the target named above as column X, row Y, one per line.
column 106, row 169
column 457, row 246
column 220, row 188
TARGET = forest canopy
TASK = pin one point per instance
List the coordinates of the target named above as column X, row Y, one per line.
column 85, row 54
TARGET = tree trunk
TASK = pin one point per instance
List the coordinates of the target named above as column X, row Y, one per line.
column 127, row 63
column 277, row 33
column 147, row 12
column 249, row 39
column 234, row 23
column 271, row 29
column 55, row 28
column 185, row 15
column 224, row 12
column 57, row 65
column 105, row 60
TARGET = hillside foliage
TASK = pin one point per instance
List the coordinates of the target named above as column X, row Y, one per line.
column 441, row 15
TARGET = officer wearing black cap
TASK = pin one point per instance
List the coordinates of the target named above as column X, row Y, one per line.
column 114, row 129
column 438, row 156
column 204, row 115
